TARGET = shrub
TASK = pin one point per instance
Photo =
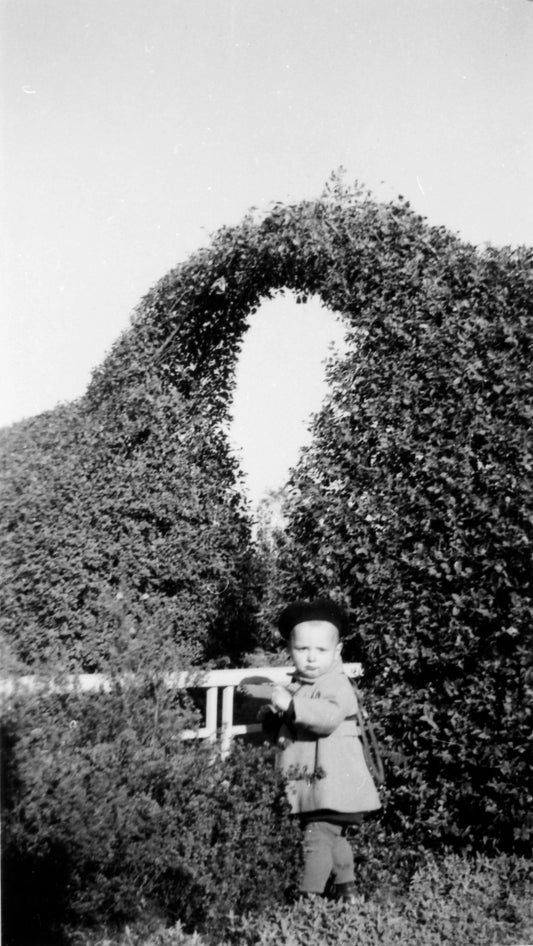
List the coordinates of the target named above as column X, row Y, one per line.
column 414, row 506
column 98, row 519
column 133, row 489
column 454, row 900
column 451, row 901
column 108, row 816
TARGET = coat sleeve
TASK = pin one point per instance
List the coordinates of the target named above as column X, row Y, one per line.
column 323, row 712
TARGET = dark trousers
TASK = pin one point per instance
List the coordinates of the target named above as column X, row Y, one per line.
column 326, row 851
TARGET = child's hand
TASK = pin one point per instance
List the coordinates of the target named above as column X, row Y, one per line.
column 280, row 699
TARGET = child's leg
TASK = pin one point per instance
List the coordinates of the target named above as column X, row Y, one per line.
column 320, row 841
column 343, row 868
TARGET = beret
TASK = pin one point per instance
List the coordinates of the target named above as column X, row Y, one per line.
column 321, row 609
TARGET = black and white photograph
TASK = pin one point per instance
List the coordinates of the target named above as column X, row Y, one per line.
column 266, row 454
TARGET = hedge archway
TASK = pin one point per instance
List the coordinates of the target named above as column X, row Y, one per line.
column 123, row 513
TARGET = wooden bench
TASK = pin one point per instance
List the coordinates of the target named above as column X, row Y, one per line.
column 255, row 681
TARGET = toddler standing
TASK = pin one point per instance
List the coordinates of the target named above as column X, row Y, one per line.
column 319, row 750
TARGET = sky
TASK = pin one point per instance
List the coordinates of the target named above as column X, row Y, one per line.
column 134, row 129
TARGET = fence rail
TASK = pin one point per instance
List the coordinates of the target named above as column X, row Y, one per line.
column 249, row 679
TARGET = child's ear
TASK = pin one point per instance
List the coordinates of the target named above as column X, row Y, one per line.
column 338, row 649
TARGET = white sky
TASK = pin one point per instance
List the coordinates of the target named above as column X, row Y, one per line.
column 280, row 383
column 133, row 129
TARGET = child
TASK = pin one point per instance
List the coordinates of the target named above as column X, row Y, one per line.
column 328, row 782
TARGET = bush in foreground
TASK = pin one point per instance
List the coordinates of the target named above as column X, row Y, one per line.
column 453, row 901
column 109, row 816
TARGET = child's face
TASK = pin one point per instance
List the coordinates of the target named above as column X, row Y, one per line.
column 314, row 647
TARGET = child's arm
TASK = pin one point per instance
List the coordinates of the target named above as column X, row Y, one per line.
column 321, row 715
column 277, row 713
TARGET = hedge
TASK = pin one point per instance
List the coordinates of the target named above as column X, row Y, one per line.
column 126, row 534
column 414, row 506
column 109, row 818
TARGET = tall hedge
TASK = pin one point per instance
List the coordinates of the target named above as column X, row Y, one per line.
column 124, row 534
column 414, row 504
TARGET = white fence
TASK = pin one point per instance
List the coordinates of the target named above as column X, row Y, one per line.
column 253, row 680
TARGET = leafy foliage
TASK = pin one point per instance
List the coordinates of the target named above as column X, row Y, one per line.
column 126, row 535
column 414, row 505
column 108, row 529
column 449, row 900
column 109, row 817
column 132, row 490
column 452, row 901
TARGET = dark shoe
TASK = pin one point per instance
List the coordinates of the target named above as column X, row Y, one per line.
column 346, row 893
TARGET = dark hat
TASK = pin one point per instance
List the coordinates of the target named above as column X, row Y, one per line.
column 321, row 609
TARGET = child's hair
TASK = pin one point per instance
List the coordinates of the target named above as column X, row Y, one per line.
column 320, row 609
